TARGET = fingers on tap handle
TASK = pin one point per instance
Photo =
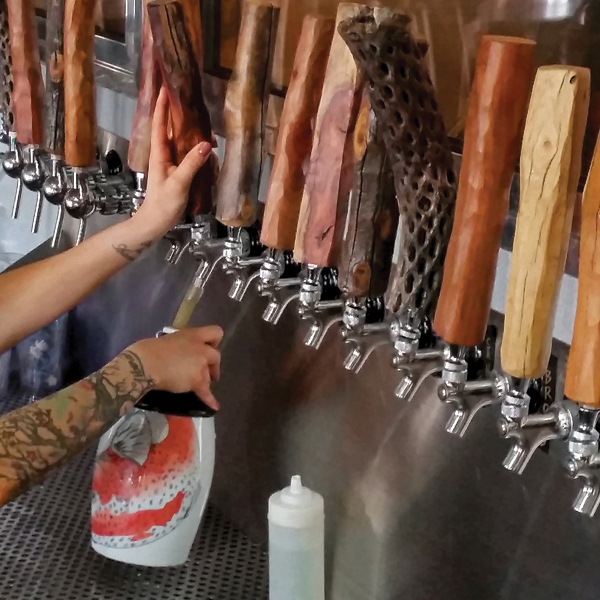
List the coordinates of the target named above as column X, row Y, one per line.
column 582, row 381
column 550, row 169
column 500, row 92
column 245, row 113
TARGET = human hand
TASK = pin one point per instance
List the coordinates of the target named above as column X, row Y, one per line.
column 168, row 185
column 187, row 360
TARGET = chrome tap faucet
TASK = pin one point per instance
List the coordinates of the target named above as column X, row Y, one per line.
column 12, row 163
column 54, row 188
column 79, row 200
column 33, row 175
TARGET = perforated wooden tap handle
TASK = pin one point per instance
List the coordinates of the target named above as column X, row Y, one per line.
column 54, row 134
column 550, row 168
column 80, row 100
column 6, row 78
column 245, row 116
column 296, row 128
column 504, row 75
column 138, row 154
column 28, row 86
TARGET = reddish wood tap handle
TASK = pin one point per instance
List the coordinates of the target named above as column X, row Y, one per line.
column 582, row 381
column 331, row 168
column 193, row 27
column 371, row 221
column 139, row 143
column 550, row 169
column 294, row 142
column 181, row 76
column 80, row 100
column 54, row 137
column 245, row 115
column 497, row 107
column 28, row 86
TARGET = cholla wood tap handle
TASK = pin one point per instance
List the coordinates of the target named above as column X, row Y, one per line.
column 504, row 75
column 138, row 155
column 181, row 76
column 6, row 62
column 28, row 86
column 80, row 101
column 413, row 131
column 245, row 115
column 296, row 128
column 550, row 168
column 54, row 136
column 371, row 222
column 582, row 381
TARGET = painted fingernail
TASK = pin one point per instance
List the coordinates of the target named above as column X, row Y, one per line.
column 204, row 148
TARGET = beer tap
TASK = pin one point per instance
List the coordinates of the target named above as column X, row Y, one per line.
column 23, row 159
column 550, row 169
column 403, row 98
column 7, row 124
column 292, row 152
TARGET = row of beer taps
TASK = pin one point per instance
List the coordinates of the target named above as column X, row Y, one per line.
column 362, row 170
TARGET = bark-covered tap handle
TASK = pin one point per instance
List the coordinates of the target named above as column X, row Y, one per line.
column 138, row 155
column 331, row 167
column 54, row 136
column 369, row 232
column 28, row 85
column 181, row 76
column 6, row 62
column 80, row 100
column 296, row 129
column 501, row 87
column 582, row 380
column 550, row 169
column 403, row 100
column 245, row 116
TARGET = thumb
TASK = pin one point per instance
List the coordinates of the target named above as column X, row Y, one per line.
column 193, row 160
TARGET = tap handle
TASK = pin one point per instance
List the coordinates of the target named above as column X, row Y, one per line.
column 54, row 135
column 193, row 22
column 582, row 381
column 403, row 99
column 6, row 77
column 28, row 86
column 331, row 168
column 138, row 155
column 79, row 92
column 497, row 107
column 296, row 129
column 371, row 223
column 550, row 168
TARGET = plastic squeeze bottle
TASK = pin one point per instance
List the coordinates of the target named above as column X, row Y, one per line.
column 296, row 544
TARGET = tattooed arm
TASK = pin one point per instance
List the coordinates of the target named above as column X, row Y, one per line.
column 45, row 434
column 35, row 295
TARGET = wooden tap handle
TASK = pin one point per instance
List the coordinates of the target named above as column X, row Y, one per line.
column 582, row 380
column 245, row 116
column 550, row 168
column 371, row 223
column 193, row 27
column 331, row 166
column 6, row 78
column 296, row 128
column 181, row 76
column 80, row 100
column 504, row 75
column 28, row 85
column 54, row 135
column 138, row 155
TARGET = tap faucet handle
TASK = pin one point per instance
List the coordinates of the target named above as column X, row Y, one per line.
column 403, row 98
column 245, row 112
column 6, row 77
column 295, row 137
column 550, row 168
column 181, row 76
column 502, row 83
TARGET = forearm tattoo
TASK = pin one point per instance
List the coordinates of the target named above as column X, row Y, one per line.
column 43, row 435
column 131, row 253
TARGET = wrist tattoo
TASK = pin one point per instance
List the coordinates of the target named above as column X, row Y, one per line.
column 45, row 434
column 131, row 253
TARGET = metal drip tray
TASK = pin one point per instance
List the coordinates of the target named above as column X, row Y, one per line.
column 45, row 552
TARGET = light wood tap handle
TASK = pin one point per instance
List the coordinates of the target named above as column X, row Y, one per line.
column 28, row 85
column 138, row 155
column 331, row 168
column 54, row 137
column 80, row 100
column 504, row 75
column 582, row 381
column 296, row 128
column 550, row 168
column 245, row 115
column 181, row 76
